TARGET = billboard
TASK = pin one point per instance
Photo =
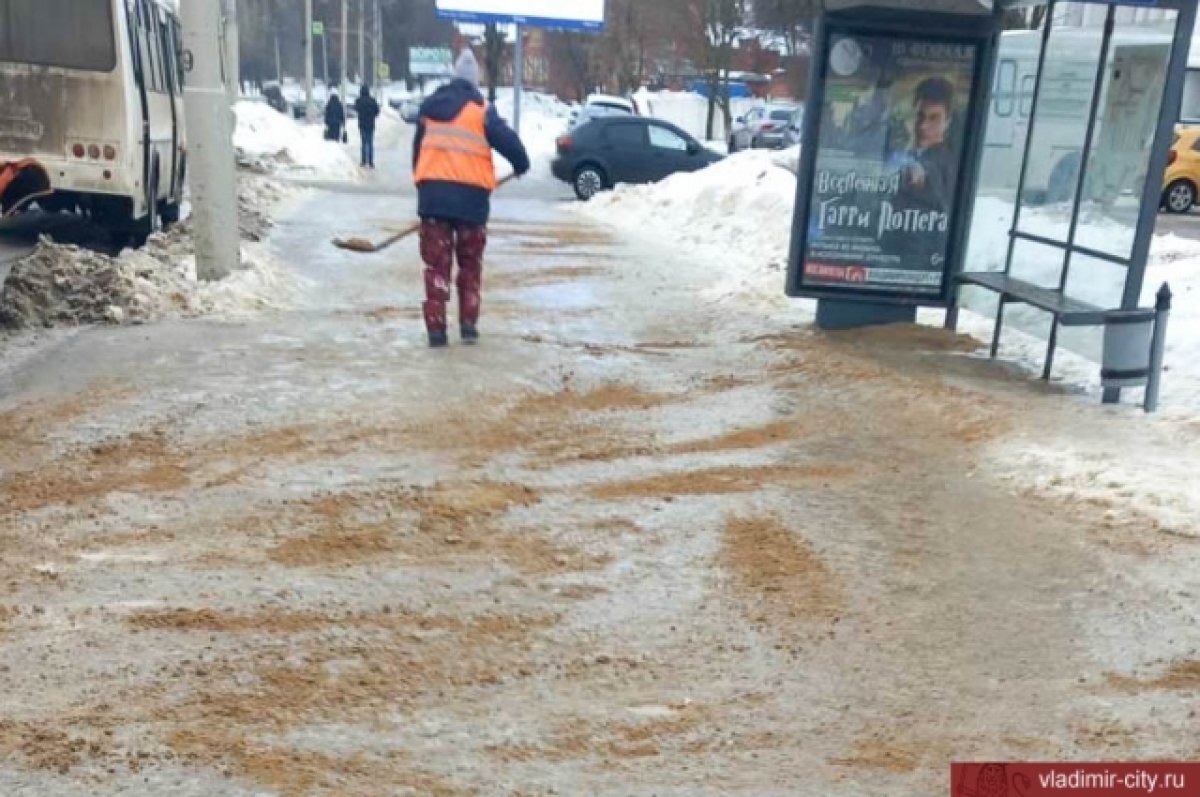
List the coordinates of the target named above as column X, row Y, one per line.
column 573, row 14
column 882, row 204
column 430, row 62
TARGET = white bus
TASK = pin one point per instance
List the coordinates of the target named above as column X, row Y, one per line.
column 1124, row 129
column 1189, row 112
column 91, row 111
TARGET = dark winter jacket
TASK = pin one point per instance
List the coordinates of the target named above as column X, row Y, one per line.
column 438, row 199
column 335, row 117
column 368, row 111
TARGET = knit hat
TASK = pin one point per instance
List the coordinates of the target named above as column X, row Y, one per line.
column 467, row 68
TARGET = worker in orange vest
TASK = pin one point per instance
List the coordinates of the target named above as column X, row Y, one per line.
column 452, row 165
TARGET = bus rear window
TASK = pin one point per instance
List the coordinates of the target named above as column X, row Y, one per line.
column 73, row 34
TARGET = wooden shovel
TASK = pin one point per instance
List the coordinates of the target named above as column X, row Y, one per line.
column 363, row 246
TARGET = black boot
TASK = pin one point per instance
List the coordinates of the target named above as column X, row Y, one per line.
column 470, row 334
column 438, row 340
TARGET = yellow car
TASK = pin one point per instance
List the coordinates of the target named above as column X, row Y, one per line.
column 1182, row 180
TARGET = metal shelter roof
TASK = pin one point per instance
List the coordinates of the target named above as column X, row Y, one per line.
column 984, row 7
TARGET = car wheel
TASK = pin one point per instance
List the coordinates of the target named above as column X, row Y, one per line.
column 1179, row 196
column 589, row 181
column 732, row 145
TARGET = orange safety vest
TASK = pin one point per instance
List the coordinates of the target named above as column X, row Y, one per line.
column 458, row 151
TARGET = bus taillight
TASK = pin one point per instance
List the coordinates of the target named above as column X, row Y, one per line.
column 110, row 152
column 94, row 152
column 78, row 151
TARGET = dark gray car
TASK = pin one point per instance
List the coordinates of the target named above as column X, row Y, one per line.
column 626, row 149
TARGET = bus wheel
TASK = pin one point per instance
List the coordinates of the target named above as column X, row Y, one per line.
column 1063, row 179
column 169, row 213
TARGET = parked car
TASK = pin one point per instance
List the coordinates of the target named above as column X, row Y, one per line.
column 409, row 110
column 1182, row 179
column 793, row 134
column 600, row 105
column 609, row 102
column 274, row 97
column 761, row 127
column 625, row 149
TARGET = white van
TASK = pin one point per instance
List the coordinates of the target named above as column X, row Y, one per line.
column 91, row 111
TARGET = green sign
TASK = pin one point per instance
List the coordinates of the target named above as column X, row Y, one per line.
column 385, row 72
column 430, row 61
column 318, row 29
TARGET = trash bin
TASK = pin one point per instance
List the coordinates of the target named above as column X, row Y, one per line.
column 1128, row 338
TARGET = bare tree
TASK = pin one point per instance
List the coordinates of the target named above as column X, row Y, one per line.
column 493, row 42
column 721, row 22
column 633, row 26
column 791, row 19
column 578, row 51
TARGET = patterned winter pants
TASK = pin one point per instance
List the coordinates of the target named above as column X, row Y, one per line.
column 440, row 242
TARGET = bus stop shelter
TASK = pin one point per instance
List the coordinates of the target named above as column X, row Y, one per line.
column 991, row 153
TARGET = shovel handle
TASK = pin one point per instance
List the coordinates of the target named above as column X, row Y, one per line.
column 407, row 231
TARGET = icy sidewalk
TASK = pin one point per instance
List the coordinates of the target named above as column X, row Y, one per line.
column 633, row 543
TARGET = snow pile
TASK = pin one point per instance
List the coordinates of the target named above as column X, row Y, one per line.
column 1122, row 473
column 272, row 142
column 61, row 285
column 737, row 213
column 544, row 118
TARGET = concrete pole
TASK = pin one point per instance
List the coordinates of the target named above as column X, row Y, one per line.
column 362, row 41
column 211, row 174
column 345, row 59
column 378, row 43
column 278, row 62
column 310, row 108
column 325, row 58
column 233, row 56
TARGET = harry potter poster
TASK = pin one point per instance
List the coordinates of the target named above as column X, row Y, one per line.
column 888, row 163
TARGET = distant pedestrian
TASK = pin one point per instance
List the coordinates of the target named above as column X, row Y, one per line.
column 452, row 165
column 335, row 118
column 368, row 112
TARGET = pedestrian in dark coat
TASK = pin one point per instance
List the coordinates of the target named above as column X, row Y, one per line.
column 368, row 112
column 335, row 118
column 452, row 165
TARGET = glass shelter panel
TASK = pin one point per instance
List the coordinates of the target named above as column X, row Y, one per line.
column 1126, row 120
column 1040, row 264
column 1006, row 131
column 1060, row 123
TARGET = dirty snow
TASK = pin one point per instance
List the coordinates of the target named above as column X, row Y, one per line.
column 277, row 144
column 63, row 285
column 737, row 213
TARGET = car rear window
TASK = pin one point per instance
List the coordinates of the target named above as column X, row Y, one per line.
column 781, row 116
column 629, row 136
